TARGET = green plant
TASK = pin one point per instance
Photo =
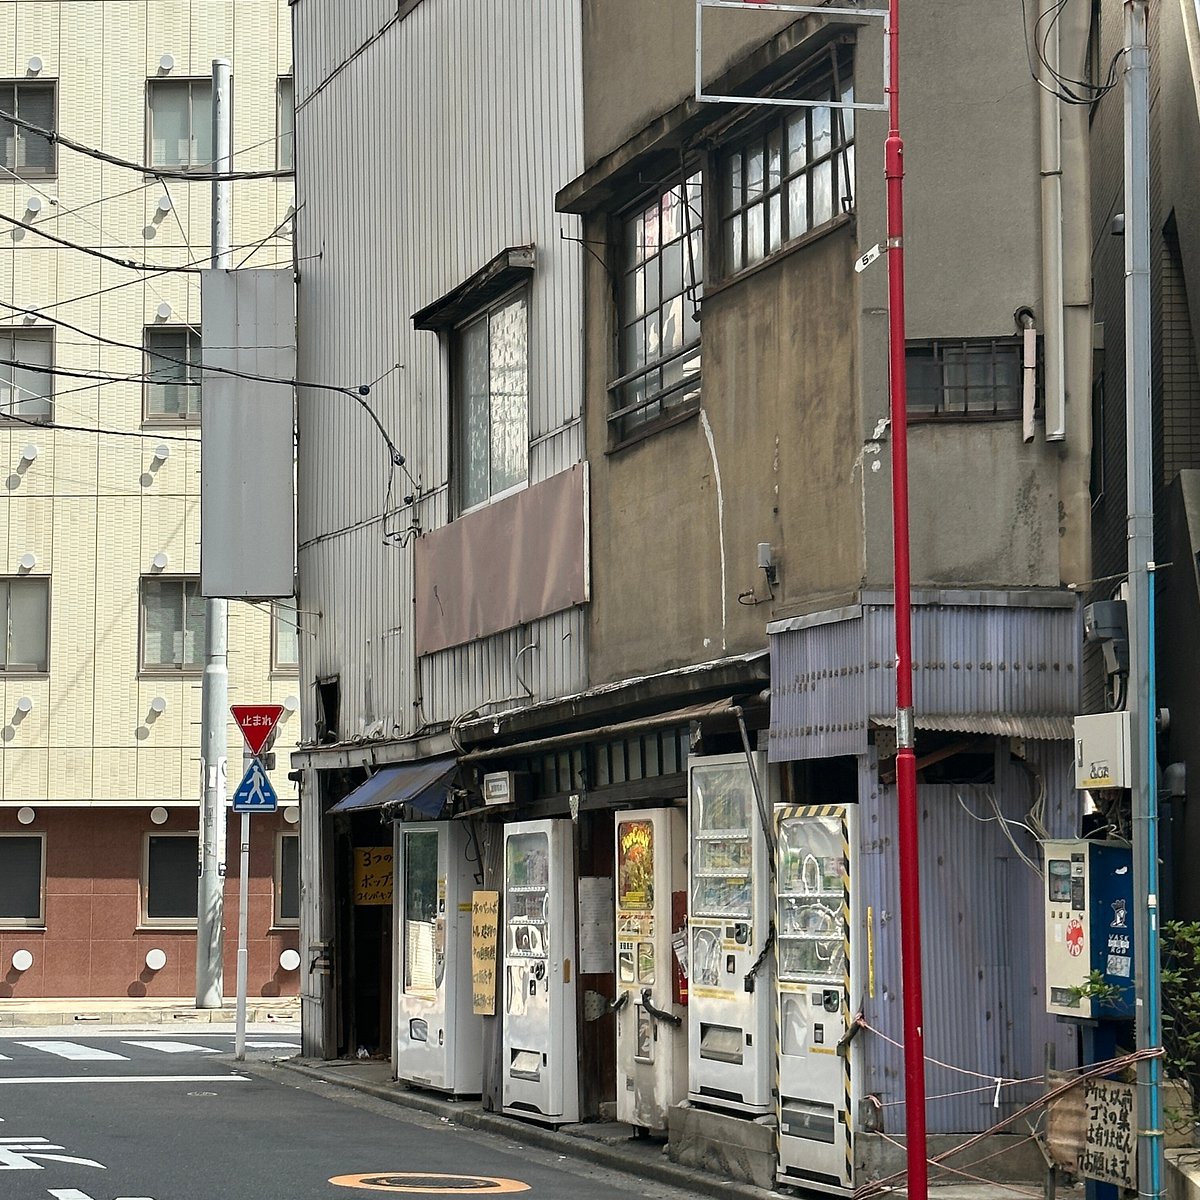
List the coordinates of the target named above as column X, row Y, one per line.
column 1097, row 989
column 1180, row 958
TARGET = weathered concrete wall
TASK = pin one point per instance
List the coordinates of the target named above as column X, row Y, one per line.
column 676, row 519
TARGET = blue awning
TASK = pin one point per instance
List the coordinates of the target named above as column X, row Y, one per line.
column 423, row 786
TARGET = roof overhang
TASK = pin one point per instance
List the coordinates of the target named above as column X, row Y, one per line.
column 420, row 786
column 506, row 271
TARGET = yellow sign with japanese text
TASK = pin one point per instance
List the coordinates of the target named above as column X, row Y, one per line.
column 485, row 929
column 372, row 875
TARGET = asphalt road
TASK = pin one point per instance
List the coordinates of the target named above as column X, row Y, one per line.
column 91, row 1114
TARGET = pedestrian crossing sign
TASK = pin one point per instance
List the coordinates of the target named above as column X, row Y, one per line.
column 255, row 793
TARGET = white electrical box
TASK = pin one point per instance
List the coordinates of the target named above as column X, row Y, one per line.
column 1102, row 750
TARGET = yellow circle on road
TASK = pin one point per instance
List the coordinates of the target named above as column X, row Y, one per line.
column 423, row 1183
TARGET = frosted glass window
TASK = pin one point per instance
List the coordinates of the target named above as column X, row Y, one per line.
column 179, row 123
column 173, row 625
column 286, row 124
column 26, row 391
column 492, row 401
column 25, row 608
column 285, row 640
column 22, row 151
column 173, row 374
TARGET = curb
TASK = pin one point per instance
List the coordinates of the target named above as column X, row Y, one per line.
column 614, row 1157
column 36, row 1018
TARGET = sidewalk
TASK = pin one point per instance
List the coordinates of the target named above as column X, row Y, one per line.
column 122, row 1010
column 608, row 1143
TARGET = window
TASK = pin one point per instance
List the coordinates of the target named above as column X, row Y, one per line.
column 25, row 608
column 173, row 374
column 179, row 123
column 27, row 154
column 661, row 273
column 968, row 378
column 287, row 880
column 26, row 391
column 492, row 401
column 285, row 641
column 22, row 879
column 789, row 178
column 173, row 632
column 285, row 122
column 169, row 888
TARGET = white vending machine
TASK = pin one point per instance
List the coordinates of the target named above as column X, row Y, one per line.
column 651, row 908
column 818, row 970
column 731, row 1000
column 439, row 1040
column 541, row 1077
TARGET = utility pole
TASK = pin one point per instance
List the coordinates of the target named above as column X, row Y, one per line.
column 906, row 763
column 1139, row 460
column 210, row 908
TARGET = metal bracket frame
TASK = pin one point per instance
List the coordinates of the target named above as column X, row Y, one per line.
column 804, row 9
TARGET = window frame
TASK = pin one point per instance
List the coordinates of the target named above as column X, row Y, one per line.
column 278, row 665
column 693, row 237
column 145, row 920
column 31, row 333
column 193, row 374
column 918, row 415
column 162, row 85
column 834, row 75
column 278, row 919
column 161, row 670
column 7, row 672
column 17, row 85
column 282, row 162
column 38, row 922
column 484, row 312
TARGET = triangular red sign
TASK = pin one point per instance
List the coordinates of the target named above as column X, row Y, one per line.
column 256, row 721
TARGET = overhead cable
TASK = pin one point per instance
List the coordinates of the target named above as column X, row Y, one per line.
column 191, row 175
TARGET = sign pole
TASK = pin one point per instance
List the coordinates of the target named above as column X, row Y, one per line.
column 243, row 951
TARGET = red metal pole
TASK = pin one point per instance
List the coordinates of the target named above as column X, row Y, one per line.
column 906, row 765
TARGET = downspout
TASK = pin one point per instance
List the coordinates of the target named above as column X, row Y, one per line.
column 1050, row 153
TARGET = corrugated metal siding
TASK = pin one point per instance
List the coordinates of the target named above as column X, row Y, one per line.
column 829, row 680
column 982, row 947
column 439, row 145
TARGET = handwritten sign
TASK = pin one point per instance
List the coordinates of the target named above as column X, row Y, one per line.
column 373, row 875
column 1090, row 1131
column 485, row 928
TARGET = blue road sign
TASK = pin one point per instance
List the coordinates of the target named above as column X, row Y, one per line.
column 255, row 793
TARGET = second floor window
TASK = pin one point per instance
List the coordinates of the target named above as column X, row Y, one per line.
column 787, row 178
column 491, row 401
column 172, row 388
column 26, row 390
column 179, row 123
column 173, row 629
column 25, row 611
column 285, row 640
column 661, row 276
column 27, row 154
column 285, row 146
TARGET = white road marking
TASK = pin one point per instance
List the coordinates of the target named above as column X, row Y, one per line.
column 272, row 1045
column 174, row 1047
column 125, row 1079
column 75, row 1052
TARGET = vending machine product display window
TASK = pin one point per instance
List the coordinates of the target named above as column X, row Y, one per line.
column 731, row 1050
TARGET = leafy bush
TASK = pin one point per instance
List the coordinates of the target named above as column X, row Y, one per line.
column 1180, row 957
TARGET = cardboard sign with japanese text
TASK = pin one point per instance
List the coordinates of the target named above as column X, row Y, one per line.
column 485, row 929
column 373, row 875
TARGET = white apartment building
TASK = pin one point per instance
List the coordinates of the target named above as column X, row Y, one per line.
column 103, row 625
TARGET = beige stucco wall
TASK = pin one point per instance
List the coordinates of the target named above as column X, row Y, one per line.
column 90, row 506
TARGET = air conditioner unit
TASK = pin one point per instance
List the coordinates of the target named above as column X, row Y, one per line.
column 506, row 787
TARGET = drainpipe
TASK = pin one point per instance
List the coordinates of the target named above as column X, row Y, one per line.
column 1050, row 138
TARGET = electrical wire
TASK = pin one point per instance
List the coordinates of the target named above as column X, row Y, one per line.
column 129, row 263
column 396, row 18
column 1093, row 92
column 195, row 176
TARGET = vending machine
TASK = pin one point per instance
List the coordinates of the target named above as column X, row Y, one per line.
column 439, row 1040
column 731, row 999
column 818, row 965
column 541, row 1078
column 1088, row 902
column 651, row 909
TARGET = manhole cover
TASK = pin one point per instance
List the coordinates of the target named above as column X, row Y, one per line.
column 442, row 1185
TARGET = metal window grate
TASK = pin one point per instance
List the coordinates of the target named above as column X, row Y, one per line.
column 965, row 378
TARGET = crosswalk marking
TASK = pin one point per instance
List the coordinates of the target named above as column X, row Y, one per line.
column 272, row 1046
column 75, row 1052
column 174, row 1047
column 5, row 1080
